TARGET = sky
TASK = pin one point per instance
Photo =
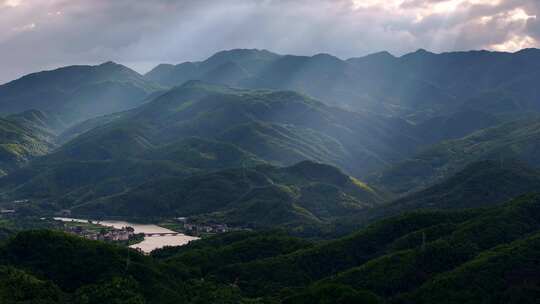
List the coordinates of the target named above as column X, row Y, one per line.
column 43, row 34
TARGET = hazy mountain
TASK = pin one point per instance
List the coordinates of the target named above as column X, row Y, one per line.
column 480, row 184
column 455, row 125
column 76, row 93
column 234, row 128
column 419, row 85
column 226, row 67
column 280, row 127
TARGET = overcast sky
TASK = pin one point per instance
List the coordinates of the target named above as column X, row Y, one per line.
column 43, row 34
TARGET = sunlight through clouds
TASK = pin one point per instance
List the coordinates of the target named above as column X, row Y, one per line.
column 515, row 43
column 12, row 3
column 146, row 32
column 519, row 14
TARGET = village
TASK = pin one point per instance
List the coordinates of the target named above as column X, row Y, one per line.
column 104, row 234
column 96, row 230
column 198, row 228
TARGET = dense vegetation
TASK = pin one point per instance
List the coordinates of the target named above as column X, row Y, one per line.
column 302, row 197
column 485, row 255
column 479, row 184
column 515, row 140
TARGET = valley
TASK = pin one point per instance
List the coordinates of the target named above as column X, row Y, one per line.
column 256, row 177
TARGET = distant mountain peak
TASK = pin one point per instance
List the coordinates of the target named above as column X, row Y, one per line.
column 109, row 63
column 528, row 51
column 423, row 51
column 326, row 57
column 240, row 53
column 378, row 57
column 383, row 54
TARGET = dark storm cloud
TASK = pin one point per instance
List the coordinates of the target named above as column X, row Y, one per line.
column 41, row 34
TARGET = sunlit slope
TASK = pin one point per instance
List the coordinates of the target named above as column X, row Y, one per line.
column 20, row 143
column 480, row 184
column 281, row 127
column 67, row 182
column 304, row 195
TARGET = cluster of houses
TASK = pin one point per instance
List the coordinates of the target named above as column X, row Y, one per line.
column 7, row 212
column 193, row 228
column 197, row 228
column 113, row 235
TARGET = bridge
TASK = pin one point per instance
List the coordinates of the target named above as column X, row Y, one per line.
column 162, row 234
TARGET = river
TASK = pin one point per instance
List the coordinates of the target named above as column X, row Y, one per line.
column 150, row 242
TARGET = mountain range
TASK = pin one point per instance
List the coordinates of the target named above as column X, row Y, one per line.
column 416, row 86
column 110, row 141
column 377, row 179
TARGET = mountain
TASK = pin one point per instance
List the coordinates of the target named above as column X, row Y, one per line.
column 76, row 93
column 515, row 140
column 409, row 258
column 417, row 86
column 69, row 269
column 21, row 139
column 281, row 127
column 322, row 76
column 455, row 125
column 479, row 184
column 197, row 128
column 225, row 67
column 304, row 195
column 77, row 129
column 58, row 184
column 45, row 126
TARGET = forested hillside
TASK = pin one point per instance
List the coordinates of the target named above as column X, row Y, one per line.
column 505, row 142
column 415, row 258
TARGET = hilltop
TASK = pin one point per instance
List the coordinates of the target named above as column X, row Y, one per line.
column 76, row 93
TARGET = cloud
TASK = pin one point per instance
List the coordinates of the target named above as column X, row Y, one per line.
column 48, row 33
